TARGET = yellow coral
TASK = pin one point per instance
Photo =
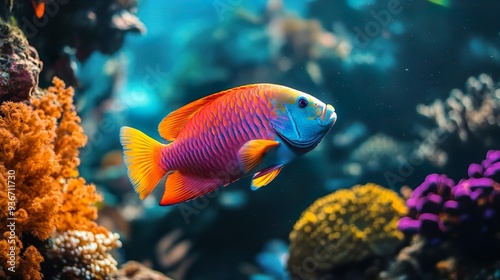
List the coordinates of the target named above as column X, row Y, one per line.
column 39, row 145
column 346, row 226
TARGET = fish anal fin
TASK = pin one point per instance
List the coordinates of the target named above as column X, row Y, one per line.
column 174, row 122
column 252, row 152
column 180, row 188
column 265, row 177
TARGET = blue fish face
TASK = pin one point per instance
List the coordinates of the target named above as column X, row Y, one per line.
column 301, row 119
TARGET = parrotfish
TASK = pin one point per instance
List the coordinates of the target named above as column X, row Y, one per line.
column 216, row 140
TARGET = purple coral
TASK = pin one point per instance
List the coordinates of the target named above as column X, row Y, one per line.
column 467, row 212
column 425, row 204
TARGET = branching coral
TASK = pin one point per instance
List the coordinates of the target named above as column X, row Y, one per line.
column 346, row 226
column 474, row 113
column 39, row 151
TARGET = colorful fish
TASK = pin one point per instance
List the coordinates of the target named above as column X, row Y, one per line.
column 254, row 129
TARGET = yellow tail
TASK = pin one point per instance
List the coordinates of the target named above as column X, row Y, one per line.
column 142, row 155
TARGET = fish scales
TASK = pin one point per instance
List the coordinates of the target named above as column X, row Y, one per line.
column 222, row 128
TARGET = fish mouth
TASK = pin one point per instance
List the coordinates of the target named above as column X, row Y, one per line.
column 304, row 146
column 328, row 116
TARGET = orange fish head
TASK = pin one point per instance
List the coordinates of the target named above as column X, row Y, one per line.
column 301, row 119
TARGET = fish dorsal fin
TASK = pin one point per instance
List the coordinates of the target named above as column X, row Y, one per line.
column 174, row 122
column 265, row 177
column 252, row 153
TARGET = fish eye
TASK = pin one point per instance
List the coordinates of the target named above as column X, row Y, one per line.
column 302, row 102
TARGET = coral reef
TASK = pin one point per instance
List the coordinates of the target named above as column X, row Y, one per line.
column 425, row 206
column 302, row 43
column 136, row 271
column 440, row 261
column 62, row 40
column 347, row 226
column 19, row 65
column 39, row 159
column 376, row 153
column 455, row 227
column 470, row 115
column 467, row 213
column 80, row 254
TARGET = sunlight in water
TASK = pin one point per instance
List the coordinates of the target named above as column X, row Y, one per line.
column 444, row 3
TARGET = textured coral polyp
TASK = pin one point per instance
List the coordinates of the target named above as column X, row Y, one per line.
column 19, row 65
column 39, row 143
column 85, row 254
column 466, row 213
column 346, row 226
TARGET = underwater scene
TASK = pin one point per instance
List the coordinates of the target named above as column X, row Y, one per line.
column 260, row 140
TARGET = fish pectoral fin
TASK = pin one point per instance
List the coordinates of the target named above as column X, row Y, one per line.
column 265, row 177
column 252, row 153
column 172, row 124
column 180, row 188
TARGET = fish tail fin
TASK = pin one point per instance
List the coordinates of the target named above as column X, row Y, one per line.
column 142, row 156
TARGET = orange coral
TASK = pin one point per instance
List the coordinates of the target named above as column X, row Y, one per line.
column 39, row 142
column 77, row 211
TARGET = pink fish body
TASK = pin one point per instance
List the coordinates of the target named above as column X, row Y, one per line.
column 216, row 140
